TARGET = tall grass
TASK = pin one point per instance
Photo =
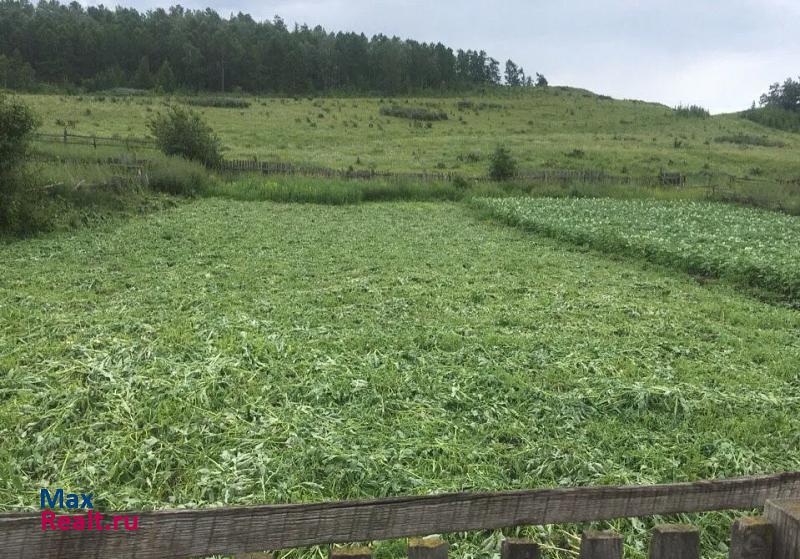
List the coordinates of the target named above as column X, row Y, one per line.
column 331, row 191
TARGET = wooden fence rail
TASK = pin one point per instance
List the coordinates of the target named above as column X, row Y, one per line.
column 238, row 530
column 595, row 176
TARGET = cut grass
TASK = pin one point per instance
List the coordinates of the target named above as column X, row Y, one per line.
column 229, row 352
column 748, row 247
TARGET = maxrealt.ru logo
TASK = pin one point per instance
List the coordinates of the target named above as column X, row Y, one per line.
column 78, row 502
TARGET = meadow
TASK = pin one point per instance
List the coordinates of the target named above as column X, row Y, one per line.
column 227, row 352
column 555, row 127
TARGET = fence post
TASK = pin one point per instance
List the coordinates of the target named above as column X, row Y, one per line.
column 751, row 538
column 518, row 549
column 65, row 135
column 675, row 541
column 601, row 545
column 427, row 548
column 785, row 518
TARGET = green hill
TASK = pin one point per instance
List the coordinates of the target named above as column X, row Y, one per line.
column 555, row 127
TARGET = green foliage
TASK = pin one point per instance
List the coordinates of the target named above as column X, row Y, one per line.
column 750, row 248
column 182, row 132
column 691, row 111
column 414, row 113
column 502, row 166
column 165, row 78
column 775, row 117
column 217, row 102
column 20, row 211
column 783, row 96
column 260, row 56
column 750, row 140
column 177, row 176
column 333, row 191
column 17, row 123
column 143, row 79
column 15, row 73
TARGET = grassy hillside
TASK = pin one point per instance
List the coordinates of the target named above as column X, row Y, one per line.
column 552, row 128
column 250, row 352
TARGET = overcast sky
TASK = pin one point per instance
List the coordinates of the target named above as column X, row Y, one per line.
column 719, row 54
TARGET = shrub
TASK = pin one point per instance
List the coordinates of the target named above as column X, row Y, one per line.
column 217, row 102
column 17, row 123
column 414, row 113
column 502, row 165
column 182, row 132
column 174, row 175
column 750, row 140
column 20, row 211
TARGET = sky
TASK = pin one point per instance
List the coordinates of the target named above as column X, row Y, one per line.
column 718, row 54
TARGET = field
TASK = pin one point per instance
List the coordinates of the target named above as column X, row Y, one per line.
column 756, row 249
column 247, row 352
column 553, row 128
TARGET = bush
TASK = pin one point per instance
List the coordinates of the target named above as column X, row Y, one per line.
column 414, row 113
column 217, row 102
column 175, row 175
column 502, row 166
column 182, row 132
column 19, row 208
column 750, row 140
column 17, row 123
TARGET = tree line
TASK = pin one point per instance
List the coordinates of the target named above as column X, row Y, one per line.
column 98, row 48
column 784, row 95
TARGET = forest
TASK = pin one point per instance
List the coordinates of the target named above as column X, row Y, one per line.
column 97, row 48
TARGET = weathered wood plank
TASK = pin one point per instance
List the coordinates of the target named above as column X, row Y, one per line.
column 513, row 548
column 350, row 553
column 785, row 518
column 675, row 541
column 601, row 545
column 751, row 538
column 428, row 548
column 198, row 533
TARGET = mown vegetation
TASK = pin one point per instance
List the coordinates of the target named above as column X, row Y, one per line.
column 752, row 248
column 248, row 352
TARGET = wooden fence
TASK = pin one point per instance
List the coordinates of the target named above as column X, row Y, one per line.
column 712, row 181
column 242, row 531
column 94, row 141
